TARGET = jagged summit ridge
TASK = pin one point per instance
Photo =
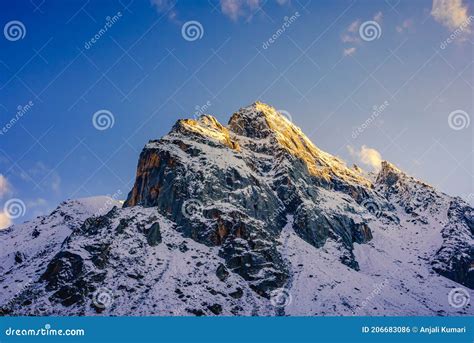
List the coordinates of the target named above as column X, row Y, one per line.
column 221, row 217
column 268, row 169
column 261, row 124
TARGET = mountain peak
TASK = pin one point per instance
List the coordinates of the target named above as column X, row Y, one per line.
column 262, row 125
column 390, row 175
column 256, row 120
column 206, row 126
column 219, row 230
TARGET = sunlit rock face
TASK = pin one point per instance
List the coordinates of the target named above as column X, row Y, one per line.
column 223, row 217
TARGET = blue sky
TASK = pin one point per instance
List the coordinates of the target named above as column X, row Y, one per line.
column 319, row 68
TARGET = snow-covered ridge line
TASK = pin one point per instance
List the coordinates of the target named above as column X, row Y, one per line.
column 245, row 219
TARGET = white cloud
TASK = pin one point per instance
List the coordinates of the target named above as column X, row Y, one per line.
column 39, row 202
column 55, row 182
column 164, row 6
column 38, row 206
column 4, row 186
column 354, row 26
column 351, row 34
column 350, row 39
column 378, row 16
column 5, row 220
column 235, row 9
column 450, row 13
column 407, row 23
column 349, row 51
column 367, row 156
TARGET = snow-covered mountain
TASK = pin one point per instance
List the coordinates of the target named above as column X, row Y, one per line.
column 245, row 219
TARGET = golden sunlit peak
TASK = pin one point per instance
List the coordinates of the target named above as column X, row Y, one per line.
column 293, row 140
column 207, row 126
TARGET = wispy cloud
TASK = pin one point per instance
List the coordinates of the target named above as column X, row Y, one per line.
column 407, row 23
column 450, row 13
column 345, row 38
column 38, row 206
column 4, row 186
column 235, row 9
column 367, row 156
column 351, row 33
column 39, row 202
column 378, row 16
column 164, row 6
column 349, row 51
column 354, row 26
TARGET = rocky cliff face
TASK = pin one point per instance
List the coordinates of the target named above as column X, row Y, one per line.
column 243, row 180
column 226, row 219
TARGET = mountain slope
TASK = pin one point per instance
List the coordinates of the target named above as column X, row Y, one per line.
column 26, row 249
column 253, row 219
